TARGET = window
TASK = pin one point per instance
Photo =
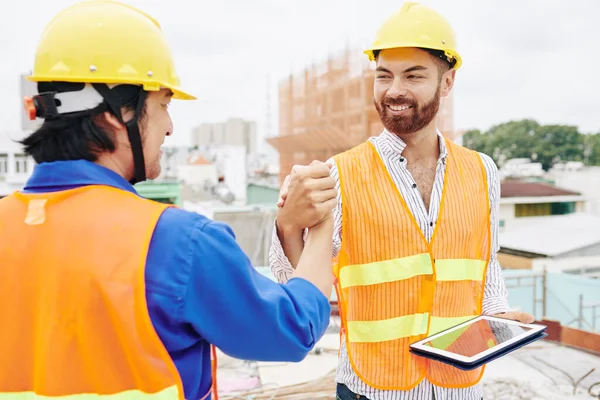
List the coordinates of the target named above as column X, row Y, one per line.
column 3, row 164
column 21, row 163
column 541, row 209
column 533, row 210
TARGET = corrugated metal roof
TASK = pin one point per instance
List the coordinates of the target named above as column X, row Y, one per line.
column 551, row 235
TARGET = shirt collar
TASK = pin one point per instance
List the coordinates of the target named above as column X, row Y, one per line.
column 398, row 145
column 63, row 175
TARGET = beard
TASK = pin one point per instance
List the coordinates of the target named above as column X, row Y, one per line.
column 420, row 117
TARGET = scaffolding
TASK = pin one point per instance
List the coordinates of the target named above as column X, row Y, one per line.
column 328, row 108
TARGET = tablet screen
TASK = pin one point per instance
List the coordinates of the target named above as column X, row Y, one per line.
column 477, row 337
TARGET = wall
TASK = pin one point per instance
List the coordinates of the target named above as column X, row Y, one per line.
column 261, row 194
column 507, row 213
column 204, row 174
column 593, row 250
column 566, row 264
column 165, row 192
column 510, row 261
column 571, row 336
column 253, row 228
column 562, row 296
column 233, row 132
column 583, row 181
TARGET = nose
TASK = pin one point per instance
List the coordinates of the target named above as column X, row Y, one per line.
column 397, row 89
column 170, row 131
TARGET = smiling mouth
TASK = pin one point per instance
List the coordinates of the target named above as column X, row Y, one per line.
column 398, row 108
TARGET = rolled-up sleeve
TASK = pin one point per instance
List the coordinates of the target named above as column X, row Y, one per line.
column 280, row 265
column 245, row 314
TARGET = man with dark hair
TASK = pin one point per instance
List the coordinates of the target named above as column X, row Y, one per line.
column 416, row 225
column 107, row 293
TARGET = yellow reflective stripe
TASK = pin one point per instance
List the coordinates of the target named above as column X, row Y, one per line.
column 387, row 329
column 439, row 324
column 445, row 341
column 385, row 271
column 166, row 394
column 459, row 270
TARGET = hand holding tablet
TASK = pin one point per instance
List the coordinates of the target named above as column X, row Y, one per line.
column 478, row 341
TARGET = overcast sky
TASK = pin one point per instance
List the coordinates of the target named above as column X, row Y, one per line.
column 522, row 58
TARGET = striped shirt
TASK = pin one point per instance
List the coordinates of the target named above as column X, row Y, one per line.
column 390, row 148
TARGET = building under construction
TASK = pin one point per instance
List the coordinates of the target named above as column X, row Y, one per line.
column 328, row 108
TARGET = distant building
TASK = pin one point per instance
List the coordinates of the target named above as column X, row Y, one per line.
column 529, row 199
column 542, row 224
column 575, row 176
column 15, row 166
column 233, row 132
column 521, row 168
column 563, row 242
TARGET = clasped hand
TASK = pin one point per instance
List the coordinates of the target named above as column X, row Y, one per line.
column 306, row 198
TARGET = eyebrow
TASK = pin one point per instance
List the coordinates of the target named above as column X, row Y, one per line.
column 411, row 69
column 415, row 68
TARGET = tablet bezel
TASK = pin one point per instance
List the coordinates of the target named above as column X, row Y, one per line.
column 422, row 348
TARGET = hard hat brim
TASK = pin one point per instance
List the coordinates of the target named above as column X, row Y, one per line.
column 370, row 52
column 178, row 93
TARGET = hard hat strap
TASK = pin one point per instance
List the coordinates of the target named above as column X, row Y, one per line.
column 115, row 103
column 135, row 139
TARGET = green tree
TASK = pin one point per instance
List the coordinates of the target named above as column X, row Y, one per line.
column 555, row 143
column 476, row 140
column 513, row 139
column 526, row 138
column 591, row 149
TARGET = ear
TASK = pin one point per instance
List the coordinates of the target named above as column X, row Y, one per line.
column 447, row 82
column 112, row 121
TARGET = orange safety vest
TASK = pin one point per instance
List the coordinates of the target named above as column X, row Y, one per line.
column 73, row 312
column 394, row 287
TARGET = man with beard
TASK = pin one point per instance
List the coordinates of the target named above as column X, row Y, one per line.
column 416, row 226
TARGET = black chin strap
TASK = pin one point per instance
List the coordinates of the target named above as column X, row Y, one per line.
column 115, row 103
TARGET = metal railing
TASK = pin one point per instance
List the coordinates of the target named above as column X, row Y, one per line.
column 581, row 320
column 531, row 280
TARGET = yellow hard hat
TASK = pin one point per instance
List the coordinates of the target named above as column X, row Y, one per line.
column 104, row 41
column 416, row 25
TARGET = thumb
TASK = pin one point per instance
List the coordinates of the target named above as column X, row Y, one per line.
column 520, row 316
column 283, row 191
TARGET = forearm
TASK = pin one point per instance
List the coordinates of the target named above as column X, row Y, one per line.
column 495, row 294
column 258, row 319
column 314, row 264
column 280, row 265
column 292, row 243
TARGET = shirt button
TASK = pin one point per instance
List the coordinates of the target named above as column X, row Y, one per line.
column 401, row 159
column 431, row 224
column 414, row 185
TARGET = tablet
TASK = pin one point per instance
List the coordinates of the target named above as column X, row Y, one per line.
column 478, row 341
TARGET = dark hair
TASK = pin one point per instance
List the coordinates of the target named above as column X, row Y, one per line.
column 77, row 135
column 440, row 58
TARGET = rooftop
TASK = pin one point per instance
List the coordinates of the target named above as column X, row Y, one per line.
column 551, row 235
column 517, row 188
column 531, row 373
